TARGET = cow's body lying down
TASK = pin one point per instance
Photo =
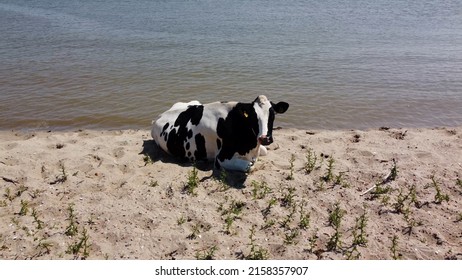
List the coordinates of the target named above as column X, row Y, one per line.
column 230, row 133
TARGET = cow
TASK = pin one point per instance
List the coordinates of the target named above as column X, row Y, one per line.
column 233, row 134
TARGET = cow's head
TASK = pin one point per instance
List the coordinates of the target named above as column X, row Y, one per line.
column 266, row 112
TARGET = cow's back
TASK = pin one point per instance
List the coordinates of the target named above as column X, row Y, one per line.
column 188, row 130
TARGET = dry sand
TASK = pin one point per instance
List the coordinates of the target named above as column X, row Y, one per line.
column 114, row 195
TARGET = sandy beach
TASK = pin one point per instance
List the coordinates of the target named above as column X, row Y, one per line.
column 378, row 194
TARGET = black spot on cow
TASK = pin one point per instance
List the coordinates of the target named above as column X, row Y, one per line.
column 189, row 154
column 200, row 153
column 179, row 135
column 190, row 134
column 239, row 131
column 164, row 129
column 188, row 146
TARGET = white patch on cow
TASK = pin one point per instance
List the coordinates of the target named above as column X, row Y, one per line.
column 262, row 107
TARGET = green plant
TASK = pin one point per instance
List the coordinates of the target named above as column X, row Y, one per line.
column 329, row 176
column 80, row 244
column 290, row 236
column 223, row 180
column 289, row 218
column 8, row 194
column 232, row 213
column 12, row 195
column 439, row 196
column 353, row 253
column 229, row 220
column 459, row 217
column 292, row 165
column 335, row 220
column 256, row 252
column 312, row 241
column 304, row 217
column 411, row 222
column 265, row 212
column 393, row 173
column 379, row 190
column 44, row 245
column 196, row 230
column 24, row 208
column 71, row 229
column 394, row 248
column 404, row 200
column 181, row 220
column 61, row 178
column 288, row 197
column 147, row 160
column 340, row 180
column 207, row 254
column 336, row 215
column 153, row 184
column 36, row 219
column 193, row 181
column 459, row 182
column 268, row 224
column 359, row 231
column 311, row 159
column 260, row 190
column 236, row 207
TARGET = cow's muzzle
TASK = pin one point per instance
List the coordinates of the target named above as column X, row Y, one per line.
column 265, row 140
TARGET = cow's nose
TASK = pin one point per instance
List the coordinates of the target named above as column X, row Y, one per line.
column 265, row 140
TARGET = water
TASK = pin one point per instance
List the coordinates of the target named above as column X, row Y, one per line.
column 113, row 64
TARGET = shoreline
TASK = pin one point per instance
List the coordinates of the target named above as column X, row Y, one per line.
column 128, row 200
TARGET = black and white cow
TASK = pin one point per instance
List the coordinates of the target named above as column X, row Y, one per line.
column 233, row 134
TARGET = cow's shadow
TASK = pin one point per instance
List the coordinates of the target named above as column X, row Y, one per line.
column 153, row 153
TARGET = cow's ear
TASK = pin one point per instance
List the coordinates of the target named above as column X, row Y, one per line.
column 281, row 107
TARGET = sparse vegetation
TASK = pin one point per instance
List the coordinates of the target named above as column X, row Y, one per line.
column 311, row 160
column 207, row 254
column 329, row 176
column 304, row 222
column 260, row 190
column 195, row 231
column 44, row 245
column 256, row 252
column 62, row 177
column 36, row 219
column 292, row 166
column 24, row 208
column 359, row 231
column 459, row 183
column 335, row 220
column 147, row 160
column 181, row 220
column 80, row 248
column 223, row 180
column 291, row 235
column 266, row 211
column 288, row 197
column 153, row 184
column 193, row 181
column 459, row 217
column 71, row 229
column 394, row 248
column 285, row 223
column 440, row 197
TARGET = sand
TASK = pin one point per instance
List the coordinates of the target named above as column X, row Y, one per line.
column 114, row 195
